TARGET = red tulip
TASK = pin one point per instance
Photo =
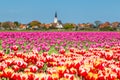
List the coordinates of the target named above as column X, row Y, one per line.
column 61, row 70
column 98, row 65
column 62, row 51
column 7, row 72
column 49, row 77
column 112, row 76
column 31, row 76
column 49, row 58
column 83, row 72
column 107, row 50
column 108, row 56
column 51, row 71
column 82, row 52
column 20, row 63
column 107, row 46
column 69, row 64
column 101, row 76
column 33, row 68
column 44, row 54
column 15, row 48
column 69, row 76
column 23, row 76
column 3, row 66
column 118, row 74
column 9, row 62
column 71, row 50
column 77, row 65
column 15, row 76
column 39, row 64
column 73, row 71
column 1, row 53
column 43, row 78
column 60, row 63
column 15, row 68
column 24, row 65
column 19, row 54
column 1, row 73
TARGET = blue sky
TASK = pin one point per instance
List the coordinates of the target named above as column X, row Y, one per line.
column 76, row 11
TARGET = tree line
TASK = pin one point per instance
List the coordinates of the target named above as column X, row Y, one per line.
column 37, row 25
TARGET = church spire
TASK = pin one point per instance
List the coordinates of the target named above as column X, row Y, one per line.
column 56, row 14
column 55, row 18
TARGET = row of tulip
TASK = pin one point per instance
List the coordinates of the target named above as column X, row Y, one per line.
column 80, row 55
column 91, row 64
column 44, row 41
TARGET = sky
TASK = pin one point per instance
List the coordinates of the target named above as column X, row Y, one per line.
column 73, row 11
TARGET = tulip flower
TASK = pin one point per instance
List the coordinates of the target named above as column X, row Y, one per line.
column 9, row 62
column 61, row 70
column 23, row 76
column 19, row 54
column 62, row 51
column 1, row 73
column 14, row 48
column 108, row 55
column 112, row 76
column 1, row 53
column 39, row 64
column 44, row 54
column 15, row 68
column 3, row 66
column 71, row 50
column 15, row 76
column 33, row 68
column 73, row 62
column 118, row 74
column 69, row 76
column 31, row 76
column 7, row 72
column 73, row 71
column 101, row 76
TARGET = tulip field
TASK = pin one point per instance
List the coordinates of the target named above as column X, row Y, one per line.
column 59, row 55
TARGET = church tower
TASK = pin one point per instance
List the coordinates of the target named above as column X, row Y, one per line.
column 55, row 18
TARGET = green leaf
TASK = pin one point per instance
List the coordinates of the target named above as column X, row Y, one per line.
column 7, row 51
column 44, row 67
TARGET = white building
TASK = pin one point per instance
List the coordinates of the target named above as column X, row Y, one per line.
column 58, row 22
